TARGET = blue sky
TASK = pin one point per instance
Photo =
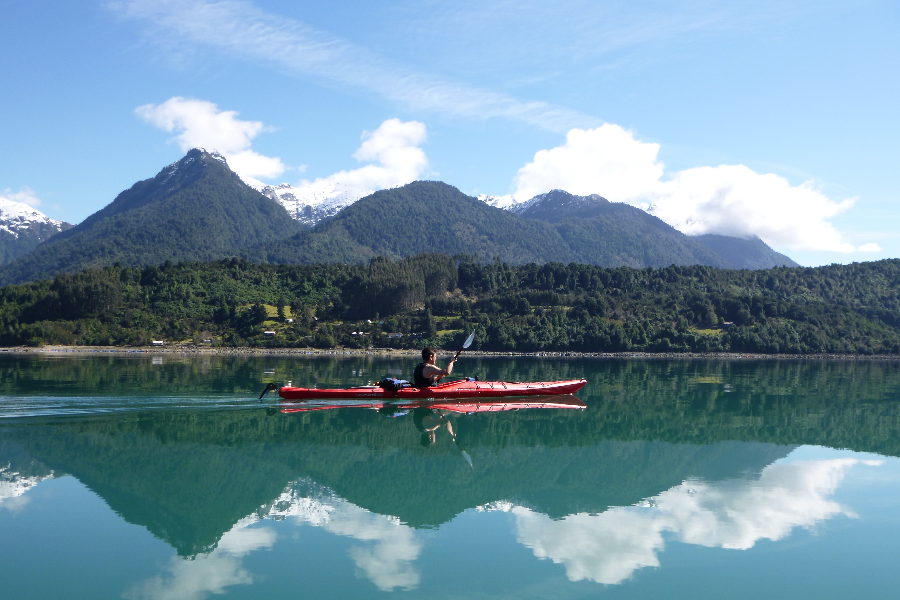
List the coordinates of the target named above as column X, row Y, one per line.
column 776, row 119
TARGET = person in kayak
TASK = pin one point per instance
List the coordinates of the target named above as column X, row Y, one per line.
column 427, row 373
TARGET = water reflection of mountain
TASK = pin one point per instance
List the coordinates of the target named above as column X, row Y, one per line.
column 19, row 472
column 189, row 477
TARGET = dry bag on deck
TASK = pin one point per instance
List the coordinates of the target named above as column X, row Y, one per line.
column 393, row 384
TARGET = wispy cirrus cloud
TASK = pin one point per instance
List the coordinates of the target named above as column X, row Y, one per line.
column 550, row 40
column 248, row 32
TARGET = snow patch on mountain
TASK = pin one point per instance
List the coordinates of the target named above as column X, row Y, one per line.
column 314, row 201
column 506, row 202
column 561, row 198
column 16, row 217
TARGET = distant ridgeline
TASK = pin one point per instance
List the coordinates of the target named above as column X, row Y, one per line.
column 197, row 209
column 430, row 216
column 437, row 299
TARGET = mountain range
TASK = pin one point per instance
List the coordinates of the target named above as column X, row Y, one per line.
column 197, row 209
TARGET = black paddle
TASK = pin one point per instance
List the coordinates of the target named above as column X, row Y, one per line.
column 269, row 388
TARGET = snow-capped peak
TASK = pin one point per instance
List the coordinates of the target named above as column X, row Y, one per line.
column 188, row 159
column 18, row 216
column 215, row 155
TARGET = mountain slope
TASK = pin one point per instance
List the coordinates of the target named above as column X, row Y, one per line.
column 613, row 234
column 195, row 209
column 616, row 234
column 744, row 254
column 23, row 228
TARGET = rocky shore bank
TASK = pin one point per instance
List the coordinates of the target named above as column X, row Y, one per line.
column 186, row 350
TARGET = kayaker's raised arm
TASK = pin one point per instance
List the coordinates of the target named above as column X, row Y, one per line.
column 427, row 373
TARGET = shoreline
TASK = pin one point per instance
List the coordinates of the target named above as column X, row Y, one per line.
column 191, row 350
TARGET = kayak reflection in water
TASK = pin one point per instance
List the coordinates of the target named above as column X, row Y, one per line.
column 427, row 373
column 428, row 421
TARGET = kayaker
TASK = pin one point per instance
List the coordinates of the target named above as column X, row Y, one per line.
column 427, row 373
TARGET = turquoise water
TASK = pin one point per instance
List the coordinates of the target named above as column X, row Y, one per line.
column 125, row 477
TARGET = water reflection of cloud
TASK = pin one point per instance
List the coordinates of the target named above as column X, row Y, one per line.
column 385, row 558
column 14, row 503
column 204, row 574
column 609, row 547
column 391, row 547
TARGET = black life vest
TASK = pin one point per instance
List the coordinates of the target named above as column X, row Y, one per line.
column 419, row 380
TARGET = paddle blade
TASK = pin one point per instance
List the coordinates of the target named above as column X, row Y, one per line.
column 469, row 341
column 265, row 392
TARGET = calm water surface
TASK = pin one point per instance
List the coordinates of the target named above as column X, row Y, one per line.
column 143, row 477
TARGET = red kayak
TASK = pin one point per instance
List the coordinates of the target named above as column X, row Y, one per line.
column 462, row 405
column 454, row 389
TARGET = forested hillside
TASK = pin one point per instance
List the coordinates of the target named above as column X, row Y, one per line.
column 436, row 299
column 431, row 216
column 194, row 209
column 744, row 254
column 197, row 209
column 424, row 216
column 18, row 243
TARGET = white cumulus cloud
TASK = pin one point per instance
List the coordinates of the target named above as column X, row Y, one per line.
column 393, row 147
column 728, row 199
column 606, row 161
column 25, row 195
column 734, row 200
column 200, row 124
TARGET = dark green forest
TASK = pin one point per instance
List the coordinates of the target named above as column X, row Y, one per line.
column 436, row 299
